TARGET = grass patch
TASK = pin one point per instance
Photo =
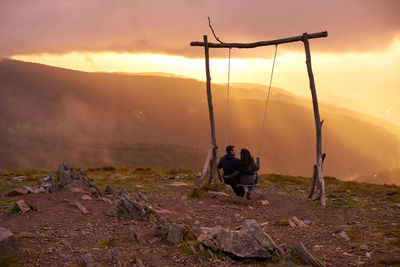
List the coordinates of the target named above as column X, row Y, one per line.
column 104, row 243
column 14, row 209
column 132, row 258
column 273, row 178
column 185, row 249
column 283, row 222
column 8, row 206
column 10, row 261
column 198, row 194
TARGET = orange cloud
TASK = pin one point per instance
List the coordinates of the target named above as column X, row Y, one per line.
column 167, row 27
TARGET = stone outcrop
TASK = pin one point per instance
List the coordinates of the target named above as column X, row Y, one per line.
column 248, row 242
column 130, row 206
column 67, row 179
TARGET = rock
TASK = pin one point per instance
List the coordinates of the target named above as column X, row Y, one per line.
column 307, row 222
column 296, row 223
column 364, row 247
column 337, row 195
column 39, row 190
column 106, row 199
column 328, row 201
column 8, row 244
column 85, row 261
column 184, row 197
column 29, row 188
column 23, row 206
column 218, row 193
column 174, row 233
column 116, row 259
column 86, row 197
column 197, row 175
column 66, row 179
column 66, row 244
column 77, row 190
column 264, row 202
column 142, row 197
column 344, row 235
column 78, row 205
column 233, row 206
column 19, row 178
column 122, row 192
column 178, row 184
column 368, row 255
column 307, row 257
column 94, row 192
column 82, row 172
column 396, row 206
column 128, row 208
column 247, row 242
column 134, row 237
column 181, row 176
column 17, row 192
column 109, row 190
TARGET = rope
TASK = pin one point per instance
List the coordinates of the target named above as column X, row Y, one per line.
column 266, row 105
column 227, row 100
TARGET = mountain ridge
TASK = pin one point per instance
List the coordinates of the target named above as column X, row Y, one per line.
column 105, row 110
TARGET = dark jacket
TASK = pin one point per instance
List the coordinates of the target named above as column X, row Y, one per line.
column 247, row 173
column 229, row 164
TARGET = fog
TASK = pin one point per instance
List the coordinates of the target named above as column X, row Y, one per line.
column 49, row 115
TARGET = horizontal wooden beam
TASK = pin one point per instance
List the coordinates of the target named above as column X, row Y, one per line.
column 262, row 43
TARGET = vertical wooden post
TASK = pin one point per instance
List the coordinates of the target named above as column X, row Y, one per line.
column 318, row 124
column 213, row 167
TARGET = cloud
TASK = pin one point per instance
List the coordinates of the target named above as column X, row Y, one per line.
column 63, row 26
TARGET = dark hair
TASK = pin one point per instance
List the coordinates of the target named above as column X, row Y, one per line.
column 245, row 157
column 229, row 149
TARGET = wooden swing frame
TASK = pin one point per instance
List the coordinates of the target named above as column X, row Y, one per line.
column 211, row 159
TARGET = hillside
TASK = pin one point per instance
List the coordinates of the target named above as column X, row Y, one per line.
column 49, row 115
column 359, row 228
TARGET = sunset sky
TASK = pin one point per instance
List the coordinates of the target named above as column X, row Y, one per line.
column 357, row 66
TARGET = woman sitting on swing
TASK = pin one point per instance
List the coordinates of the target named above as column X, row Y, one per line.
column 248, row 171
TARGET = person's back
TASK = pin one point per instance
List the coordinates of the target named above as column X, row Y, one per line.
column 248, row 169
column 230, row 166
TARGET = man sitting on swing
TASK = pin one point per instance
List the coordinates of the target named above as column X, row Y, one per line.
column 231, row 165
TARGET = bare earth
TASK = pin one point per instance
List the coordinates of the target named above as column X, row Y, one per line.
column 44, row 233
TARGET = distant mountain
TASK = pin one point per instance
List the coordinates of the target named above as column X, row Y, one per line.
column 49, row 114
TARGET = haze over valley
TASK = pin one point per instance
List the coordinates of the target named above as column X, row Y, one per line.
column 50, row 115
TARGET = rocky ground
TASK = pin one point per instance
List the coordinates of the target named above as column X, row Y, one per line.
column 361, row 227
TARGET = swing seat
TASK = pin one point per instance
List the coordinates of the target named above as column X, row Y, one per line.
column 248, row 180
column 243, row 179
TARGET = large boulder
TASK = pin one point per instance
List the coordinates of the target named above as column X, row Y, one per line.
column 67, row 179
column 8, row 243
column 248, row 242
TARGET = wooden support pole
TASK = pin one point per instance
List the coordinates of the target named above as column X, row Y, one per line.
column 318, row 124
column 204, row 172
column 262, row 43
column 213, row 167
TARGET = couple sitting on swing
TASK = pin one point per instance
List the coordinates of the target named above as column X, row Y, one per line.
column 239, row 172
